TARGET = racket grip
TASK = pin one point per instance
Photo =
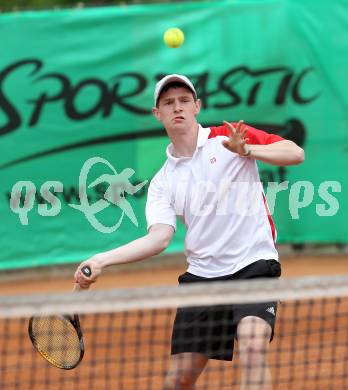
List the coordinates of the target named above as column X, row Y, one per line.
column 86, row 270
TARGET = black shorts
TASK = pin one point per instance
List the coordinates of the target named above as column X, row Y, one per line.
column 211, row 330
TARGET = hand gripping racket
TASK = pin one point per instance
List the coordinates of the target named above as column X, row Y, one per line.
column 58, row 338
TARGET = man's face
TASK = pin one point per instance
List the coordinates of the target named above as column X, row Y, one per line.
column 177, row 110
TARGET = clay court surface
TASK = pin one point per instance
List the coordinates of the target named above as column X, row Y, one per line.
column 130, row 351
column 152, row 273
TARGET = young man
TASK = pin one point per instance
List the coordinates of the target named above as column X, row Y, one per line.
column 211, row 181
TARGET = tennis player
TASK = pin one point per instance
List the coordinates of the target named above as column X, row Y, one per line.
column 211, row 181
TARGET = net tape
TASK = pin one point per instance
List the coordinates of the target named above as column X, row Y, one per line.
column 117, row 300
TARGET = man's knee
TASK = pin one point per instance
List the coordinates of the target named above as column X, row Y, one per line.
column 179, row 381
column 253, row 353
column 253, row 341
column 184, row 371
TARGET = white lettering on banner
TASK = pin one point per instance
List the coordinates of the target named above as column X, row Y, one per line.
column 332, row 202
column 16, row 194
column 200, row 205
column 118, row 186
column 299, row 199
column 50, row 198
column 205, row 197
column 273, row 189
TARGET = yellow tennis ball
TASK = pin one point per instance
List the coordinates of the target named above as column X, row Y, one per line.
column 174, row 37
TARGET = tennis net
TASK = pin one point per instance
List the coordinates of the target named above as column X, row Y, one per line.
column 127, row 335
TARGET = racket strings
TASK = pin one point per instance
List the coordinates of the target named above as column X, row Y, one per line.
column 56, row 340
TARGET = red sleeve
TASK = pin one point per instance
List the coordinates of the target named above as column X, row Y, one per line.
column 256, row 137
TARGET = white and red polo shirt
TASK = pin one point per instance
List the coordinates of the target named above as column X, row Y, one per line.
column 219, row 197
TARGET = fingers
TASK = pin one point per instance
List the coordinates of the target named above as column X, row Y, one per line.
column 237, row 140
column 86, row 274
column 225, row 143
column 239, row 125
column 230, row 127
column 236, row 130
column 243, row 132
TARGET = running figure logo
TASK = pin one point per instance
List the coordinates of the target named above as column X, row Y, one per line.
column 119, row 185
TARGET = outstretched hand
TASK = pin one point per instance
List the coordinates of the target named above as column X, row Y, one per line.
column 237, row 142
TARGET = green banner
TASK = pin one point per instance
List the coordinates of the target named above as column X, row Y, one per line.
column 80, row 145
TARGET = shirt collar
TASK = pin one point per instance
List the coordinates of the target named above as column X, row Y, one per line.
column 203, row 134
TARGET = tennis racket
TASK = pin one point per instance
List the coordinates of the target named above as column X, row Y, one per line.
column 58, row 338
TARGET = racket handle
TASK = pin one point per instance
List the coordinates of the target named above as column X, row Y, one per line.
column 86, row 270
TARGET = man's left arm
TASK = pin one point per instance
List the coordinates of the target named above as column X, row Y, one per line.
column 279, row 153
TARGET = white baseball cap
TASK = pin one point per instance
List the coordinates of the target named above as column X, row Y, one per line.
column 169, row 79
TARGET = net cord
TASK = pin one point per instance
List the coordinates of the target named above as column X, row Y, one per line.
column 117, row 300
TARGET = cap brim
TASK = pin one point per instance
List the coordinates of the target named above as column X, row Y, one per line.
column 172, row 79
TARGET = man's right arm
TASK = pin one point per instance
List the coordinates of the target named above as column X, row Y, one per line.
column 154, row 242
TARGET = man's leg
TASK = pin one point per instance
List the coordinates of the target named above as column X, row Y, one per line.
column 253, row 335
column 184, row 370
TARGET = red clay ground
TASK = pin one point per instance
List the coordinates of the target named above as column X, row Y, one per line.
column 157, row 276
column 302, row 355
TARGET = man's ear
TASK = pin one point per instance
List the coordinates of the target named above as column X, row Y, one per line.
column 198, row 106
column 156, row 113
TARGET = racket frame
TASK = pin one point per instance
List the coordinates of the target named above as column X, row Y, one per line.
column 75, row 322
